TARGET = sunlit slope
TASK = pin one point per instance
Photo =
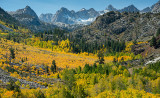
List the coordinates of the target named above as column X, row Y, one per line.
column 39, row 56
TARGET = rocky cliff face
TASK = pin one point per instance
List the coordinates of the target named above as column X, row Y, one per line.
column 46, row 17
column 64, row 15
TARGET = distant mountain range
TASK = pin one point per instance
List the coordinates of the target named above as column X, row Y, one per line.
column 71, row 17
column 67, row 19
column 141, row 25
column 81, row 17
column 64, row 16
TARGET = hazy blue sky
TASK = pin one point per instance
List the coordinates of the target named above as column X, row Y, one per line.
column 51, row 6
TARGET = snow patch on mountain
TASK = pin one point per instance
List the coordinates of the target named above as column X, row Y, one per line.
column 85, row 21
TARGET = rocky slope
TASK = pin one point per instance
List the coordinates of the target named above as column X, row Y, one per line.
column 156, row 7
column 120, row 26
column 46, row 17
column 5, row 77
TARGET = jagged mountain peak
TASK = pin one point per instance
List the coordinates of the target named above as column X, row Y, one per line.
column 71, row 17
column 28, row 7
column 72, row 11
column 131, row 5
column 64, row 9
column 25, row 11
column 111, row 8
column 28, row 17
column 83, row 9
column 147, row 9
column 61, row 15
column 130, row 8
column 91, row 9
